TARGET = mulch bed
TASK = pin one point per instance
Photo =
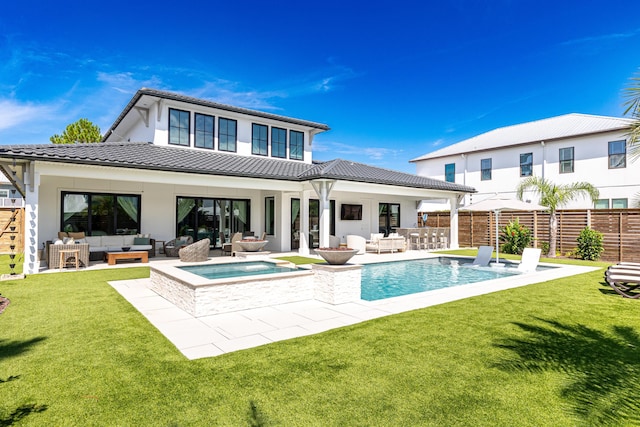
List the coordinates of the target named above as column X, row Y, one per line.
column 4, row 302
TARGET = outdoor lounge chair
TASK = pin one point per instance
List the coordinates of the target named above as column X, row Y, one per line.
column 624, row 282
column 357, row 242
column 195, row 252
column 530, row 259
column 235, row 247
column 172, row 247
column 483, row 257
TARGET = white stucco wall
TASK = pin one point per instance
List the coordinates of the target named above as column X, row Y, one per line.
column 591, row 164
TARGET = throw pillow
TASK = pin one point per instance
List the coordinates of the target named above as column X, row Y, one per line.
column 180, row 243
column 62, row 234
column 68, row 240
column 57, row 242
column 141, row 241
column 77, row 235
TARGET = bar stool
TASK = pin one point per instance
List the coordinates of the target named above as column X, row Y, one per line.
column 67, row 254
column 414, row 239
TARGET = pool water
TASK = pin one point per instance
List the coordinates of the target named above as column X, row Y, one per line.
column 221, row 271
column 392, row 279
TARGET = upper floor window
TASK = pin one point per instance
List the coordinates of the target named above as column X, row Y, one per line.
column 450, row 172
column 204, row 131
column 259, row 142
column 619, row 204
column 617, row 154
column 566, row 160
column 602, row 204
column 227, row 130
column 526, row 164
column 179, row 127
column 485, row 170
column 296, row 145
column 278, row 142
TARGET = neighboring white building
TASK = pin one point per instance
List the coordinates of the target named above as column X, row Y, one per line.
column 172, row 165
column 563, row 149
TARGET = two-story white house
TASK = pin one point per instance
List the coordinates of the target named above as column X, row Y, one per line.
column 563, row 149
column 173, row 165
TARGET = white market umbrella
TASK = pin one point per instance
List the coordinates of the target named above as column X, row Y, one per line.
column 499, row 203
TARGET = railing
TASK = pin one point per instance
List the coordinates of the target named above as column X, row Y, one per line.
column 8, row 202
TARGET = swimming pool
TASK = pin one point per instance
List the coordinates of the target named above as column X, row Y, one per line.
column 396, row 278
column 220, row 271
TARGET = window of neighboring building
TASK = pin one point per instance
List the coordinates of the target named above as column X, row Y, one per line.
column 619, row 204
column 204, row 131
column 227, row 134
column 617, row 154
column 566, row 160
column 602, row 204
column 526, row 164
column 178, row 127
column 4, row 193
column 259, row 139
column 485, row 169
column 270, row 215
column 278, row 142
column 100, row 213
column 450, row 172
column 296, row 145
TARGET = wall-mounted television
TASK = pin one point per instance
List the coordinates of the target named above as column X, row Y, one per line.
column 350, row 212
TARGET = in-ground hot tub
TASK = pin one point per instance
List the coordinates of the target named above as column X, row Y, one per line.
column 221, row 287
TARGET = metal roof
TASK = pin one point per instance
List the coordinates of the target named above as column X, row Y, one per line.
column 559, row 127
column 143, row 155
column 204, row 103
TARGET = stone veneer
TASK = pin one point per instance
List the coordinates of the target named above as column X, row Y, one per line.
column 198, row 296
column 337, row 284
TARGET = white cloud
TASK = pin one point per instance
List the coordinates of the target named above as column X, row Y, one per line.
column 602, row 37
column 14, row 113
column 352, row 152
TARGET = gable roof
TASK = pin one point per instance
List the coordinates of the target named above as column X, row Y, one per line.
column 143, row 155
column 553, row 128
column 160, row 94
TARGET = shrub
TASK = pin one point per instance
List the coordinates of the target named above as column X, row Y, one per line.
column 515, row 237
column 589, row 244
column 545, row 247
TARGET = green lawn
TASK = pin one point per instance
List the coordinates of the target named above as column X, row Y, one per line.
column 561, row 353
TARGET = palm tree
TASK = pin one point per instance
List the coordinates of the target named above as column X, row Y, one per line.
column 632, row 94
column 555, row 196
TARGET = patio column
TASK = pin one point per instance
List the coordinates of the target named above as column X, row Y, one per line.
column 31, row 178
column 323, row 190
column 453, row 220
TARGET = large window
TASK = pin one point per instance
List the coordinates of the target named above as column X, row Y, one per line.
column 278, row 142
column 178, row 127
column 227, row 134
column 296, row 145
column 100, row 214
column 526, row 164
column 566, row 160
column 485, row 169
column 259, row 139
column 450, row 172
column 204, row 131
column 617, row 154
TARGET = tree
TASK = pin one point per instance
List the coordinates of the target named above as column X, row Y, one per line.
column 555, row 196
column 632, row 93
column 81, row 131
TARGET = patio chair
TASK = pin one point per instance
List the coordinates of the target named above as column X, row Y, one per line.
column 483, row 256
column 334, row 241
column 195, row 252
column 624, row 282
column 357, row 242
column 235, row 247
column 529, row 260
column 172, row 247
column 226, row 247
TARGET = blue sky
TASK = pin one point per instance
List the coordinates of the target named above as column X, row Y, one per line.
column 392, row 80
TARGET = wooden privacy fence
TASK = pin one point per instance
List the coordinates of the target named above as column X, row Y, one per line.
column 11, row 224
column 620, row 229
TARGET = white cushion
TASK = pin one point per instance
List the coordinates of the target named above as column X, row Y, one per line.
column 113, row 241
column 94, row 240
column 128, row 239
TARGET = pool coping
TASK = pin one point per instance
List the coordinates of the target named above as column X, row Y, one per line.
column 218, row 334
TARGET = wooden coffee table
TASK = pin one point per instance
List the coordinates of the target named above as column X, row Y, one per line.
column 112, row 257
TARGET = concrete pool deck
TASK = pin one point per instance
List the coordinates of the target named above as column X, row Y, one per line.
column 217, row 334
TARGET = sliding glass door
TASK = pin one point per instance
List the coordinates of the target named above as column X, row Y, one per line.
column 388, row 218
column 203, row 218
